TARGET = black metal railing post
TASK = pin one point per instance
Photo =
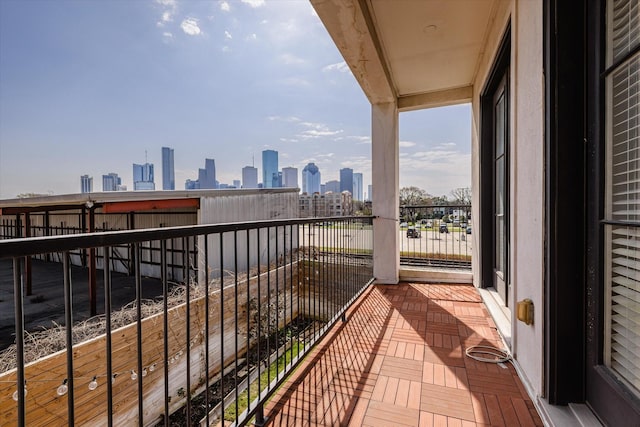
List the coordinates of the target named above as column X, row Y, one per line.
column 68, row 317
column 19, row 319
column 322, row 255
column 107, row 316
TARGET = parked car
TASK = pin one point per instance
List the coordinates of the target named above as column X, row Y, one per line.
column 413, row 232
column 469, row 230
column 403, row 224
column 429, row 224
column 444, row 228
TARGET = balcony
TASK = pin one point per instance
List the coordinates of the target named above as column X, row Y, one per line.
column 400, row 360
column 280, row 296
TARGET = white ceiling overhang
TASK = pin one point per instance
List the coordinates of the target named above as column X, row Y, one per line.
column 420, row 53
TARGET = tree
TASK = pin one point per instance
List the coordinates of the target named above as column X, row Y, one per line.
column 413, row 196
column 461, row 196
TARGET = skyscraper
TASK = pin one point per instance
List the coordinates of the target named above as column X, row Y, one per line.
column 332, row 186
column 249, row 177
column 311, row 179
column 269, row 167
column 276, row 181
column 86, row 184
column 207, row 176
column 370, row 192
column 290, row 177
column 357, row 187
column 346, row 180
column 143, row 177
column 111, row 182
column 168, row 174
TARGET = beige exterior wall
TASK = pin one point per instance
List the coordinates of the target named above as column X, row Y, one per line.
column 526, row 277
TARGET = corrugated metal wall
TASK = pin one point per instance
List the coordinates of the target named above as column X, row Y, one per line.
column 185, row 257
column 273, row 244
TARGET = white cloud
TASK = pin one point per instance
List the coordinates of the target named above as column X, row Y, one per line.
column 295, row 81
column 226, row 49
column 167, row 36
column 289, row 59
column 436, row 171
column 339, row 66
column 227, row 35
column 407, row 144
column 224, row 6
column 312, row 133
column 361, row 139
column 317, row 130
column 170, row 7
column 318, row 126
column 190, row 27
column 357, row 163
column 288, row 119
column 254, row 3
column 251, row 37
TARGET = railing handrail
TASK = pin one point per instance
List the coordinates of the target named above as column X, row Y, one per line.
column 28, row 246
column 448, row 205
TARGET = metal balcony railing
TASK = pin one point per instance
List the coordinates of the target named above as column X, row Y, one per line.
column 211, row 346
column 436, row 236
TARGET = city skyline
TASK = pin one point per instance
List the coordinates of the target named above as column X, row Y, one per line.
column 210, row 79
column 290, row 177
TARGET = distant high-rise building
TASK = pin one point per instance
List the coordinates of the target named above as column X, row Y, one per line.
column 269, row 167
column 290, row 177
column 276, row 180
column 357, row 187
column 236, row 183
column 143, row 177
column 86, row 184
column 323, row 188
column 249, row 177
column 112, row 182
column 207, row 176
column 332, row 186
column 191, row 185
column 346, row 180
column 370, row 192
column 311, row 179
column 168, row 174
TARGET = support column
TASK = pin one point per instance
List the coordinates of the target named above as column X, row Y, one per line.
column 386, row 181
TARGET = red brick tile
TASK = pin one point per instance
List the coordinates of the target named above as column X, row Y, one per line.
column 391, row 390
column 426, row 419
column 380, row 387
column 427, row 372
column 438, row 374
column 522, row 411
column 493, row 408
column 357, row 416
column 415, row 389
column 399, row 360
column 384, row 414
column 439, row 420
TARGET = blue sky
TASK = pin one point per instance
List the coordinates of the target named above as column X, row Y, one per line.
column 86, row 87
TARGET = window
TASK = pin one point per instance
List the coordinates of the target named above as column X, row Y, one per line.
column 622, row 193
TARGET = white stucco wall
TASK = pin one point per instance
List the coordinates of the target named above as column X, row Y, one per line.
column 526, row 175
column 254, row 205
column 386, row 181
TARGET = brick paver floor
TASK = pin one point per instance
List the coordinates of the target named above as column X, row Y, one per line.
column 399, row 360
